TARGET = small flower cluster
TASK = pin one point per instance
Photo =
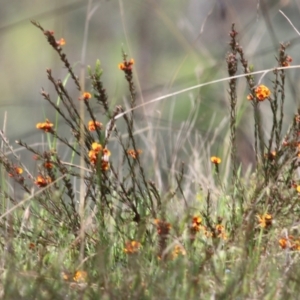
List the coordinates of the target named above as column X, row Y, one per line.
column 15, row 172
column 218, row 230
column 85, row 96
column 45, row 126
column 59, row 43
column 92, row 125
column 261, row 92
column 215, row 160
column 178, row 250
column 126, row 66
column 196, row 225
column 132, row 247
column 79, row 276
column 97, row 151
column 289, row 242
column 264, row 221
column 134, row 154
column 42, row 181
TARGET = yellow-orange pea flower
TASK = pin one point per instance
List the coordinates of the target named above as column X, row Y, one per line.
column 93, row 153
column 104, row 165
column 196, row 224
column 96, row 147
column 134, row 154
column 92, row 125
column 220, row 230
column 264, row 220
column 126, row 65
column 61, row 42
column 215, row 160
column 42, row 181
column 85, row 96
column 80, row 276
column 132, row 247
column 178, row 250
column 262, row 92
column 45, row 126
column 286, row 242
column 16, row 171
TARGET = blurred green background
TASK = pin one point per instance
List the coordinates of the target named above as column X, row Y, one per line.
column 175, row 43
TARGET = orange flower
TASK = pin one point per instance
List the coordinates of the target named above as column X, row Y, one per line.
column 298, row 188
column 93, row 125
column 197, row 220
column 250, row 97
column 61, row 42
column 42, row 181
column 215, row 160
column 262, row 92
column 96, row 147
column 93, row 157
column 46, row 126
column 220, row 230
column 178, row 250
column 132, row 247
column 80, row 276
column 196, row 224
column 94, row 154
column 126, row 66
column 121, row 66
column 134, row 153
column 296, row 245
column 196, row 227
column 265, row 220
column 286, row 242
column 104, row 165
column 289, row 242
column 19, row 170
column 271, row 155
column 85, row 96
column 16, row 171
